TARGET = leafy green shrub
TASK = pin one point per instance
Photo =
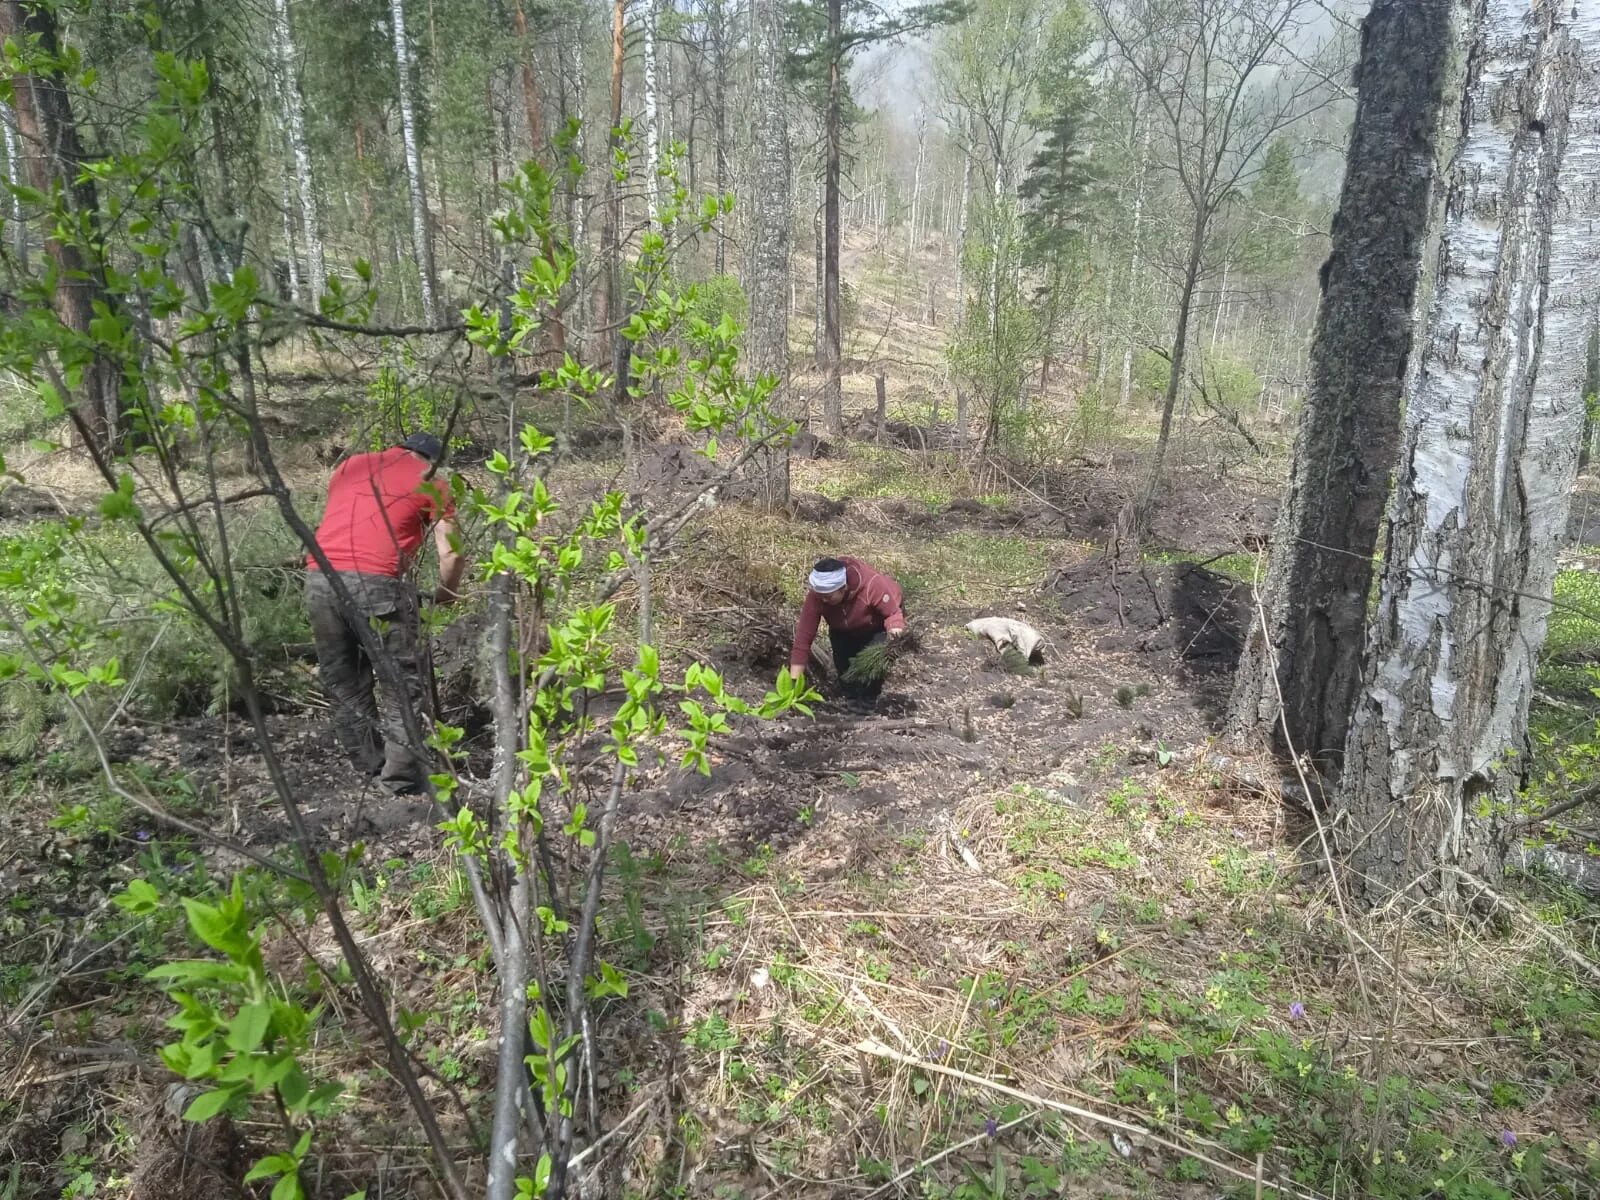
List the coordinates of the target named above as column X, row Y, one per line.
column 91, row 598
column 396, row 406
column 718, row 297
column 1230, row 382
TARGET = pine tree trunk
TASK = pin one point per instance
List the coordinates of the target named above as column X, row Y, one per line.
column 294, row 124
column 1320, row 572
column 652, row 117
column 421, row 224
column 531, row 107
column 769, row 248
column 1438, row 740
column 832, row 392
column 51, row 156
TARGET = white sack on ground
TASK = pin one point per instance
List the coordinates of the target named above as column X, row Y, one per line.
column 1003, row 632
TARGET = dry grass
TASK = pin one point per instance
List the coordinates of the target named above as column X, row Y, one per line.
column 1091, row 945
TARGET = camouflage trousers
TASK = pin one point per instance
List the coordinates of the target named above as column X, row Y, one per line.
column 368, row 716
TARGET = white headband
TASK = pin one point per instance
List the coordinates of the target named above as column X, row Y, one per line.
column 828, row 581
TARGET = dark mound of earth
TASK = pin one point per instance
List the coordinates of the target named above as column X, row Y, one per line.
column 1179, row 609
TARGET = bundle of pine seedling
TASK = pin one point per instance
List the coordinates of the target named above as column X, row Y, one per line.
column 871, row 665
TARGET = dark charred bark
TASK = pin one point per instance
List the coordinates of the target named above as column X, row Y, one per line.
column 1321, row 568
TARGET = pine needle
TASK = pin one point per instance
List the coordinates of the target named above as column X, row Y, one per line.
column 871, row 664
column 1014, row 661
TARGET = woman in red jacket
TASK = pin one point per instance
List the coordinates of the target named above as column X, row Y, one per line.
column 861, row 606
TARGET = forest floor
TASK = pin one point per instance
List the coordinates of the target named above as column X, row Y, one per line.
column 1006, row 935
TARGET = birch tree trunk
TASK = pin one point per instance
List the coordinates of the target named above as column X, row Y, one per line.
column 719, row 45
column 291, row 243
column 652, row 116
column 1141, row 175
column 832, row 391
column 19, row 230
column 819, row 245
column 916, row 186
column 611, row 236
column 961, row 281
column 577, row 207
column 769, row 248
column 1320, row 572
column 421, row 226
column 294, row 124
column 1489, row 453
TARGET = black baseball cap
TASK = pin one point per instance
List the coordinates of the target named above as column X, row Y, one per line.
column 425, row 444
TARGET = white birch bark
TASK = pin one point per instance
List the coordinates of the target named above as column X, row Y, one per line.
column 961, row 231
column 817, row 238
column 294, row 123
column 578, row 204
column 1435, row 751
column 291, row 243
column 1222, row 304
column 1141, row 173
column 421, row 231
column 916, row 185
column 19, row 230
column 652, row 116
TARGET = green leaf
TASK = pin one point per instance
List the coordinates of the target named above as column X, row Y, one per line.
column 119, row 505
column 271, row 1165
column 321, row 1100
column 295, row 1089
column 288, row 1188
column 139, row 898
column 208, row 1105
column 198, row 970
column 249, row 1028
column 215, row 929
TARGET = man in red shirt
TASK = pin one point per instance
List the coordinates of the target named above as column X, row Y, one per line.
column 379, row 508
column 861, row 606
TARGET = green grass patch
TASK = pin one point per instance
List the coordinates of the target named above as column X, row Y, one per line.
column 1241, row 565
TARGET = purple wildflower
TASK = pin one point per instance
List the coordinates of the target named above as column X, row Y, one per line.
column 1507, row 1138
column 991, row 1128
column 1297, row 1011
column 944, row 1049
column 141, row 835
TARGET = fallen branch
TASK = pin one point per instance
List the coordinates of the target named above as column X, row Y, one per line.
column 946, row 1153
column 877, row 1049
column 1586, row 965
column 599, row 1143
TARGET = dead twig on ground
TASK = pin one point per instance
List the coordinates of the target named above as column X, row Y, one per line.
column 877, row 1049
